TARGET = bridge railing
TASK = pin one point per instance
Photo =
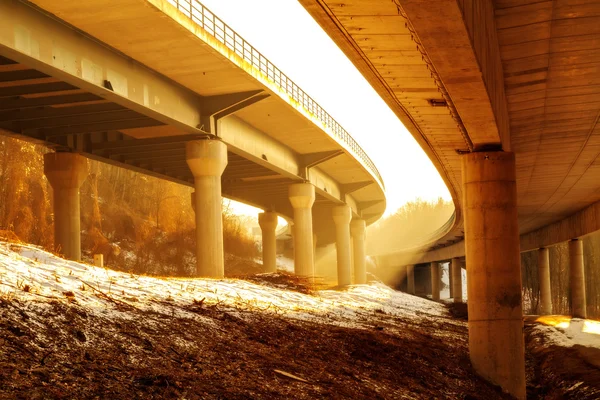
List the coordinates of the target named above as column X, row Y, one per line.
column 212, row 24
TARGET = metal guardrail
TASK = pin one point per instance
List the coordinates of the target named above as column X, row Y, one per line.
column 212, row 24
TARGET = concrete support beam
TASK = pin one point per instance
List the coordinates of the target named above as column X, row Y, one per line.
column 357, row 229
column 341, row 217
column 544, row 279
column 410, row 279
column 496, row 344
column 302, row 198
column 207, row 160
column 268, row 224
column 50, row 46
column 456, row 274
column 435, row 281
column 66, row 172
column 577, row 279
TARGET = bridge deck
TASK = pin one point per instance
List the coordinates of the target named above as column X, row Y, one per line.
column 131, row 81
column 469, row 74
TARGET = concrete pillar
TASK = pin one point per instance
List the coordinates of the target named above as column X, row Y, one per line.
column 341, row 217
column 207, row 160
column 496, row 343
column 544, row 279
column 66, row 172
column 410, row 279
column 435, row 281
column 302, row 197
column 456, row 273
column 315, row 245
column 357, row 229
column 577, row 279
column 268, row 224
column 450, row 288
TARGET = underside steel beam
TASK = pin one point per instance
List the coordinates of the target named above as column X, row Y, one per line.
column 20, row 103
column 314, row 159
column 43, row 113
column 220, row 106
column 53, row 48
column 134, row 122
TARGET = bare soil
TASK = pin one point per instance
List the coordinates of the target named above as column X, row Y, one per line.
column 60, row 350
column 556, row 372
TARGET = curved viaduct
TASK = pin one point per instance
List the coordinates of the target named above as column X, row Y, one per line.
column 168, row 89
column 504, row 96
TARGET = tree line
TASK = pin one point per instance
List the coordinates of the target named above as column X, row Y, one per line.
column 139, row 223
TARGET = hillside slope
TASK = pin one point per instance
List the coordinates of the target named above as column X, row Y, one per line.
column 70, row 330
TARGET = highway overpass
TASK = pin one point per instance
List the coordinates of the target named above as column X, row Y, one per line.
column 504, row 97
column 168, row 89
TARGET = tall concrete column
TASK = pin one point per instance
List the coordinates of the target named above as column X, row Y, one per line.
column 435, row 281
column 410, row 279
column 207, row 160
column 66, row 172
column 544, row 279
column 450, row 288
column 357, row 229
column 456, row 272
column 577, row 279
column 496, row 343
column 302, row 198
column 341, row 217
column 268, row 224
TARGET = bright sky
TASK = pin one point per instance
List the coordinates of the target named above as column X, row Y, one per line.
column 288, row 36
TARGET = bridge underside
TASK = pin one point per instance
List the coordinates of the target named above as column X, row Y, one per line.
column 42, row 109
column 67, row 90
column 503, row 95
column 469, row 75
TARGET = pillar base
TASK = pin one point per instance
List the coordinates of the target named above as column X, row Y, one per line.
column 302, row 198
column 66, row 172
column 357, row 229
column 456, row 272
column 207, row 160
column 496, row 344
column 341, row 217
column 577, row 279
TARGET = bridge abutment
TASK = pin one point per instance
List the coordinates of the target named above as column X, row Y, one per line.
column 66, row 172
column 268, row 224
column 207, row 160
column 302, row 198
column 496, row 343
column 357, row 229
column 456, row 282
column 341, row 217
column 544, row 278
column 577, row 279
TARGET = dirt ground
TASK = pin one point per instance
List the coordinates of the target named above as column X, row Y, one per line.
column 556, row 372
column 60, row 350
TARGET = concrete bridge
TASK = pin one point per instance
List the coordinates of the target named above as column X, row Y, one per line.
column 168, row 89
column 504, row 96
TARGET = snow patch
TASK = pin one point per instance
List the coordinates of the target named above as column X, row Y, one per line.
column 32, row 274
